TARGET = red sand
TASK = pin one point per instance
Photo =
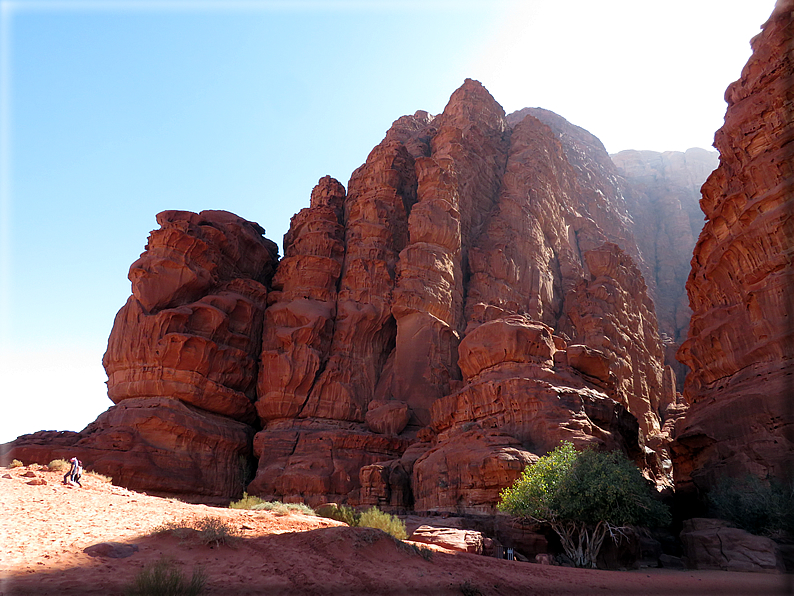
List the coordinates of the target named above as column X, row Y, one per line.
column 44, row 529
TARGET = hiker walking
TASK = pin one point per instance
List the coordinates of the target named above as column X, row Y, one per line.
column 69, row 477
column 78, row 473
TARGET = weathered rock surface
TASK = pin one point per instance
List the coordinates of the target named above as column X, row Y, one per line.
column 455, row 224
column 662, row 192
column 156, row 444
column 741, row 338
column 316, row 462
column 191, row 329
column 713, row 544
column 465, row 541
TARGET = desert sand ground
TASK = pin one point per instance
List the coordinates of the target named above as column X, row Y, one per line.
column 44, row 529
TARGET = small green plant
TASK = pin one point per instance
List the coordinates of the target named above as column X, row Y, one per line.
column 584, row 496
column 375, row 518
column 162, row 578
column 257, row 504
column 247, row 502
column 764, row 507
column 15, row 463
column 210, row 531
column 59, row 465
column 341, row 513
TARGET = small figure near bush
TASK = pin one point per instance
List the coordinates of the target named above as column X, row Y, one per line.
column 584, row 496
column 74, row 474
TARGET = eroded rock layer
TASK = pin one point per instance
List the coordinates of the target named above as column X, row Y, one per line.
column 741, row 342
column 192, row 328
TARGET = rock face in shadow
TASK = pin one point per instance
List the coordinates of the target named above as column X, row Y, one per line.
column 741, row 339
column 662, row 192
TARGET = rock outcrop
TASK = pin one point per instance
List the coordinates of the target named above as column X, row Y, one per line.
column 474, row 297
column 713, row 544
column 182, row 363
column 741, row 338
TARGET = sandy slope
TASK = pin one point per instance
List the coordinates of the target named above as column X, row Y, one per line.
column 44, row 529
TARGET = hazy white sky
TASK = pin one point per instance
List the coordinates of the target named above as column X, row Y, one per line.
column 112, row 111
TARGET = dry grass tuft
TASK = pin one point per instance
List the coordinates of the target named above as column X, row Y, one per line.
column 209, row 531
column 59, row 465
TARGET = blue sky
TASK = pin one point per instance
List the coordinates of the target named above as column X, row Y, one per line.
column 114, row 111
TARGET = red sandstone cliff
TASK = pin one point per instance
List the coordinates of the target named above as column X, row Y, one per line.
column 741, row 340
column 456, row 224
column 474, row 297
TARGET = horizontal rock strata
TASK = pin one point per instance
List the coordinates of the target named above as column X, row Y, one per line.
column 741, row 338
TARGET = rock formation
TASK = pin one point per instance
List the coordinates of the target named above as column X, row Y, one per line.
column 474, row 297
column 182, row 362
column 432, row 354
column 741, row 340
column 662, row 192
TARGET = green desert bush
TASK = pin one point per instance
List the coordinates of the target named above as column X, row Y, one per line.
column 341, row 513
column 210, row 531
column 162, row 578
column 764, row 507
column 59, row 465
column 258, row 504
column 375, row 518
column 15, row 463
column 584, row 496
column 284, row 508
column 247, row 502
column 371, row 518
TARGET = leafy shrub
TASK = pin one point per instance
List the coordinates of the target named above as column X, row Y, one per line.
column 162, row 578
column 59, row 465
column 210, row 531
column 375, row 518
column 341, row 513
column 764, row 507
column 584, row 496
column 15, row 463
column 371, row 518
column 258, row 504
